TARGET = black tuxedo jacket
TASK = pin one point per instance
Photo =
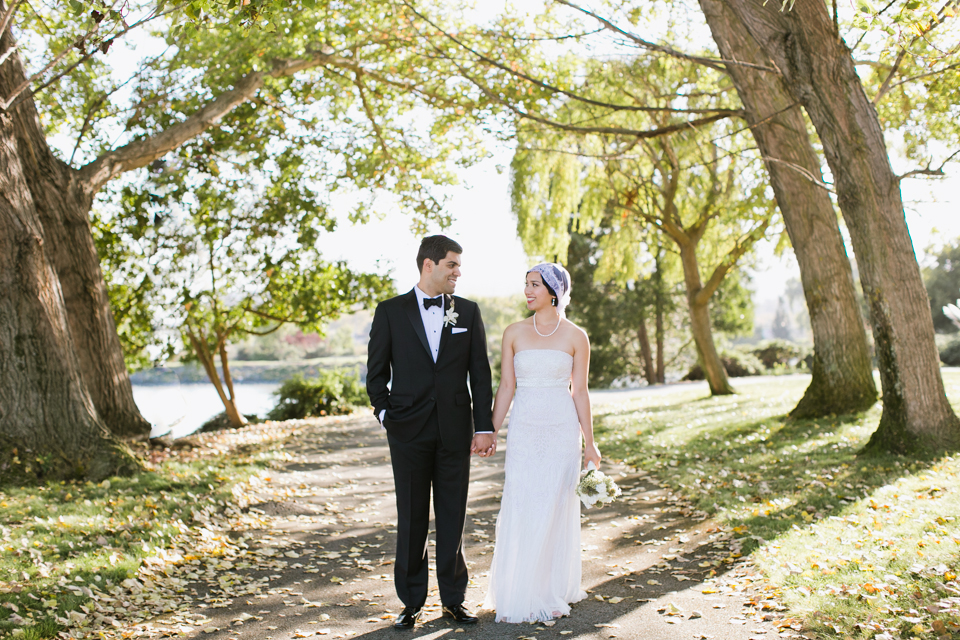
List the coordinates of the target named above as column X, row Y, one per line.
column 398, row 346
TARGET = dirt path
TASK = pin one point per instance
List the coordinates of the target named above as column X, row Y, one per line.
column 322, row 564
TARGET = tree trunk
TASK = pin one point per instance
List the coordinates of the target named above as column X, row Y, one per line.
column 199, row 344
column 46, row 413
column 700, row 325
column 64, row 210
column 645, row 352
column 658, row 283
column 842, row 379
column 819, row 72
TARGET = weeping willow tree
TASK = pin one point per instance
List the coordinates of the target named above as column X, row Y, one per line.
column 703, row 190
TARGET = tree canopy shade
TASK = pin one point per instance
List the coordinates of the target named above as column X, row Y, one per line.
column 339, row 86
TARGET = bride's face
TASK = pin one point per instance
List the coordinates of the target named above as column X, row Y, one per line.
column 537, row 295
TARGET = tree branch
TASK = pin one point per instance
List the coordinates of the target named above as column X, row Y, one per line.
column 142, row 152
column 938, row 172
column 8, row 16
column 15, row 98
column 541, row 83
column 714, row 63
column 882, row 91
column 743, row 245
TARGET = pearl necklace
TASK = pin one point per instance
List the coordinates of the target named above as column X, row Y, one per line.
column 546, row 335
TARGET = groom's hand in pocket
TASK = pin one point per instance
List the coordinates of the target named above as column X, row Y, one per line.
column 484, row 444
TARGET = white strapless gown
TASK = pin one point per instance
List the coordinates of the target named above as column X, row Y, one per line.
column 535, row 574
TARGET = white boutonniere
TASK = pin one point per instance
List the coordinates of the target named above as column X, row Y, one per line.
column 450, row 319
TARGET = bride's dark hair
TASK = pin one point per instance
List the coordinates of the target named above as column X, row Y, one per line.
column 552, row 293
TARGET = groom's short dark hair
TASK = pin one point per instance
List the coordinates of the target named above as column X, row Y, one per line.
column 436, row 248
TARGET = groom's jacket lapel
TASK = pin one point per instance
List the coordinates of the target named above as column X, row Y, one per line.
column 413, row 313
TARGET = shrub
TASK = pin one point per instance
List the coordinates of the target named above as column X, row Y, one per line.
column 950, row 354
column 777, row 352
column 331, row 393
column 736, row 363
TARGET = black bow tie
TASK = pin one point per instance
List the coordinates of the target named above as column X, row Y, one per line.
column 433, row 302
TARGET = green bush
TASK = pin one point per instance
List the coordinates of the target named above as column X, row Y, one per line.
column 737, row 364
column 950, row 354
column 331, row 393
column 777, row 352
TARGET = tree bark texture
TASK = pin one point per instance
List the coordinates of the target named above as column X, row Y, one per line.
column 700, row 325
column 842, row 380
column 658, row 283
column 64, row 211
column 645, row 353
column 46, row 413
column 818, row 70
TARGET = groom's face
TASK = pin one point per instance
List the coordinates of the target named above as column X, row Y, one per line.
column 443, row 276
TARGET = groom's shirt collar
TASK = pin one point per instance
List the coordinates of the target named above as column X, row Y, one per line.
column 421, row 296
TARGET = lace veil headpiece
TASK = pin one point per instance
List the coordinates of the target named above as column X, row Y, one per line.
column 558, row 279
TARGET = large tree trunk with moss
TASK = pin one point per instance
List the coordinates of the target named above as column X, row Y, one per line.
column 63, row 205
column 842, row 380
column 65, row 214
column 47, row 418
column 700, row 325
column 818, row 70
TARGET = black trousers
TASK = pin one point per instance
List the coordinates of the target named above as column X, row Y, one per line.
column 418, row 465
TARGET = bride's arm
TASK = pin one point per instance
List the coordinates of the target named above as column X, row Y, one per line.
column 508, row 382
column 581, row 396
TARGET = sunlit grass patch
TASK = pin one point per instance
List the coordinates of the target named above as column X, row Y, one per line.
column 865, row 545
column 70, row 551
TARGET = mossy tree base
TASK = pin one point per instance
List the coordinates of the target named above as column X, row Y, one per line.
column 22, row 465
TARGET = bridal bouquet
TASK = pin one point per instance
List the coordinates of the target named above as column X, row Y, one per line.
column 596, row 487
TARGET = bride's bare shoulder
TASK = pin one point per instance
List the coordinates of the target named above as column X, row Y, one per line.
column 516, row 327
column 576, row 334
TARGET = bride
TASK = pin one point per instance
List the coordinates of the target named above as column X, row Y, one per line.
column 535, row 574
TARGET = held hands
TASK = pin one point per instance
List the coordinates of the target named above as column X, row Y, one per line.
column 591, row 454
column 484, row 444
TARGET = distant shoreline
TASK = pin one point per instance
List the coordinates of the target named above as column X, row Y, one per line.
column 248, row 371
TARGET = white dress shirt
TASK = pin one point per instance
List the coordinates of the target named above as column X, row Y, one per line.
column 432, row 321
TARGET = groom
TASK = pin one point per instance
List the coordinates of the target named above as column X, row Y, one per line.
column 427, row 342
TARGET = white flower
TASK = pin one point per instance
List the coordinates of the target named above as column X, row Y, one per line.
column 450, row 318
column 596, row 487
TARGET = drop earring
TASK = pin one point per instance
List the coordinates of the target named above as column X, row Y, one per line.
column 553, row 302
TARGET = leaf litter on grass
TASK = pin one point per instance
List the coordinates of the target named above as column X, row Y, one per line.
column 849, row 545
column 139, row 557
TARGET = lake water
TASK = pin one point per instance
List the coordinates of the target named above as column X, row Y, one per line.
column 181, row 409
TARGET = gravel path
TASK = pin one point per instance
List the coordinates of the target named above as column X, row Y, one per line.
column 653, row 568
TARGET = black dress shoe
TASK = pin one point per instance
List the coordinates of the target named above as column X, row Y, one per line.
column 408, row 618
column 459, row 613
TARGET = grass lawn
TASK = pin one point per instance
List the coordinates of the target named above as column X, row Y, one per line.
column 76, row 553
column 855, row 547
